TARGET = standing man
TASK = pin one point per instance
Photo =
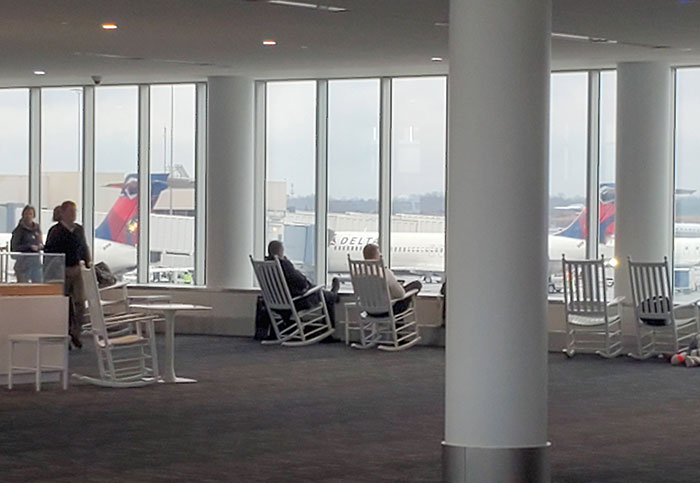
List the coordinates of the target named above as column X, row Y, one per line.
column 68, row 237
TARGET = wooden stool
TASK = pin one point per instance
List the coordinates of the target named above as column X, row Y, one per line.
column 39, row 340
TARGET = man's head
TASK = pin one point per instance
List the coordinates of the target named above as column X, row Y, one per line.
column 275, row 247
column 371, row 252
column 69, row 212
column 57, row 213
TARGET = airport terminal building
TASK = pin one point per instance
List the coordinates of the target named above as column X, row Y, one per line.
column 481, row 145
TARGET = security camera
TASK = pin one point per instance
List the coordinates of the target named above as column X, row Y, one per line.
column 97, row 79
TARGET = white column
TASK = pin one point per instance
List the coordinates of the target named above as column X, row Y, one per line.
column 496, row 374
column 230, row 186
column 644, row 166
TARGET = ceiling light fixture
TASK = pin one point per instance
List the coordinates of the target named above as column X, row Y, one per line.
column 109, row 26
column 269, row 42
column 441, row 24
column 582, row 38
column 39, row 72
column 316, row 6
column 436, row 59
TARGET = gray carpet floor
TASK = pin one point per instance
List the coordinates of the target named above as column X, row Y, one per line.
column 330, row 413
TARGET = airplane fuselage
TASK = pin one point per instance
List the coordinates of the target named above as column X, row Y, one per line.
column 119, row 257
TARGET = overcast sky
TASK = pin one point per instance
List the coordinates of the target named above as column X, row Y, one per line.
column 418, row 140
column 116, row 129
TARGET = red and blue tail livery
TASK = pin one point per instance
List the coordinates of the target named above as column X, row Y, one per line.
column 121, row 224
column 579, row 227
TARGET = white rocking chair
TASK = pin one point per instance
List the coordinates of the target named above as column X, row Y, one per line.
column 592, row 323
column 662, row 326
column 293, row 327
column 124, row 359
column 378, row 325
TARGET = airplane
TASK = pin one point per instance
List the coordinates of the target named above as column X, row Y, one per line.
column 411, row 253
column 423, row 253
column 117, row 235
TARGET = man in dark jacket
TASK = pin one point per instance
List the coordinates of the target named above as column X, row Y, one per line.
column 68, row 237
column 298, row 284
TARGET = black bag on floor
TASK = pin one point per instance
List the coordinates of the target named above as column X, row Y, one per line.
column 262, row 320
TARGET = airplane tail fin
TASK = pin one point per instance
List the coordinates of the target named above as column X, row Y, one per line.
column 121, row 222
column 579, row 227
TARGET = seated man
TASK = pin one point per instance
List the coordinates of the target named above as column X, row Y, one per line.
column 298, row 284
column 396, row 290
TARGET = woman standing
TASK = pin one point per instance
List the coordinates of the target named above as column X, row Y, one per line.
column 26, row 238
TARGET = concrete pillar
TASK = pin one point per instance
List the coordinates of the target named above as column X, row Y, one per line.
column 644, row 166
column 496, row 375
column 230, row 187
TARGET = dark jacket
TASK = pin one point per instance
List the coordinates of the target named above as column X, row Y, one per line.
column 23, row 238
column 296, row 281
column 71, row 243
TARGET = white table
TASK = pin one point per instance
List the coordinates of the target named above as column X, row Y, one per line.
column 169, row 311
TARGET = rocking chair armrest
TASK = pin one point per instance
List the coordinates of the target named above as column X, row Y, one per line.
column 308, row 292
column 129, row 318
column 684, row 306
column 114, row 286
column 107, row 303
column 406, row 296
column 616, row 301
column 116, row 323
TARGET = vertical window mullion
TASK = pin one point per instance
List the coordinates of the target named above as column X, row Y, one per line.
column 144, row 171
column 260, row 169
column 593, row 165
column 385, row 169
column 674, row 129
column 200, row 164
column 321, row 179
column 89, row 163
column 35, row 148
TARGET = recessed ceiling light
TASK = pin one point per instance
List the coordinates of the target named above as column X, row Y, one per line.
column 39, row 72
column 436, row 59
column 269, row 42
column 109, row 26
column 441, row 24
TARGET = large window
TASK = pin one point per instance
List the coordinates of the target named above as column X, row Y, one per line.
column 291, row 170
column 54, row 167
column 391, row 134
column 353, row 169
column 568, row 155
column 687, row 206
column 116, row 180
column 172, row 219
column 61, row 150
column 14, row 158
column 418, row 147
column 568, row 150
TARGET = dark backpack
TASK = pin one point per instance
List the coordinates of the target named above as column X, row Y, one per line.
column 262, row 320
column 105, row 277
